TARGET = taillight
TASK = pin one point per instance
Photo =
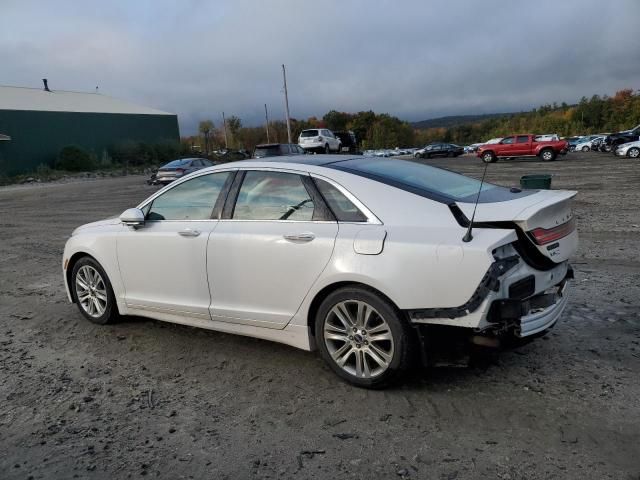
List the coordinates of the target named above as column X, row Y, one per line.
column 319, row 139
column 542, row 236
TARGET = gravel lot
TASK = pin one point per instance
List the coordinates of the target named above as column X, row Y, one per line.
column 149, row 398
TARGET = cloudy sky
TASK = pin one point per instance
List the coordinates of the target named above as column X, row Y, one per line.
column 416, row 59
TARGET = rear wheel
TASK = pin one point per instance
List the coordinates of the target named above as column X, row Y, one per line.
column 634, row 152
column 572, row 148
column 363, row 338
column 547, row 155
column 92, row 292
column 585, row 149
column 488, row 157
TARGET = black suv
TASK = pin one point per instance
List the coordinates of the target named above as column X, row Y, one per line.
column 349, row 141
column 442, row 150
column 615, row 139
column 277, row 150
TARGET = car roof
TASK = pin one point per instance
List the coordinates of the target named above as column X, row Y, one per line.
column 315, row 160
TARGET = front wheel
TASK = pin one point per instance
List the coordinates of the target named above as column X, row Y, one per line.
column 634, row 152
column 585, row 149
column 488, row 157
column 92, row 292
column 327, row 150
column 363, row 338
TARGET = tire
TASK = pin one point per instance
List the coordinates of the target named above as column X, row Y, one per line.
column 547, row 154
column 339, row 148
column 634, row 152
column 327, row 150
column 365, row 363
column 585, row 149
column 572, row 148
column 488, row 157
column 100, row 306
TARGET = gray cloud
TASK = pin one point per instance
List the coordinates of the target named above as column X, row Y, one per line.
column 416, row 59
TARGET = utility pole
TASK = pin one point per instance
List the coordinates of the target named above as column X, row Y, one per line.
column 266, row 116
column 286, row 102
column 224, row 123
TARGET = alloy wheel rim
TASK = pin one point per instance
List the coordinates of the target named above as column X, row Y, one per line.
column 91, row 291
column 359, row 339
column 634, row 153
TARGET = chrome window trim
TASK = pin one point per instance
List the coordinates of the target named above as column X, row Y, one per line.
column 372, row 219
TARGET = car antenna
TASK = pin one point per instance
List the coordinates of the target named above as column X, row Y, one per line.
column 467, row 236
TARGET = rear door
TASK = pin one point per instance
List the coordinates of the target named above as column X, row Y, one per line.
column 522, row 145
column 274, row 240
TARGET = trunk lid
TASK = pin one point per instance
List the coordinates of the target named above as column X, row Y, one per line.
column 544, row 217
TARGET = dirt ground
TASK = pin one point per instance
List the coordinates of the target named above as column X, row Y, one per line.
column 148, row 398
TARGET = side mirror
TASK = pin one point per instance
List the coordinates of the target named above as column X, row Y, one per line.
column 133, row 217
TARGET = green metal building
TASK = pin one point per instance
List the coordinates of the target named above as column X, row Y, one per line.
column 35, row 124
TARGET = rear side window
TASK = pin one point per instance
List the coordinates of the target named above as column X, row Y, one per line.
column 343, row 209
column 309, row 133
column 522, row 139
column 191, row 200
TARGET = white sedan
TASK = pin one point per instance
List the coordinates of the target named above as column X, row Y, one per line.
column 630, row 149
column 363, row 259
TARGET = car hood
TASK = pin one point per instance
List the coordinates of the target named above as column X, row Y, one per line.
column 630, row 144
column 115, row 220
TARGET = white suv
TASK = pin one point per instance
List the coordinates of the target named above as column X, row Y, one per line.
column 319, row 140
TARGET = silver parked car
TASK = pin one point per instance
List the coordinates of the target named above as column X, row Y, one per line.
column 179, row 168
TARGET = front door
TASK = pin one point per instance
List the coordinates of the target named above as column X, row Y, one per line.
column 264, row 259
column 163, row 263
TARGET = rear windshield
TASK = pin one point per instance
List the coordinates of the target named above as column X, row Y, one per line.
column 262, row 152
column 431, row 182
column 309, row 133
column 177, row 163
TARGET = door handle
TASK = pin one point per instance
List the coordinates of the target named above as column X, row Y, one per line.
column 299, row 237
column 187, row 232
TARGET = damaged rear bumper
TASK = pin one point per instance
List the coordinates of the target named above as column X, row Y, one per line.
column 526, row 317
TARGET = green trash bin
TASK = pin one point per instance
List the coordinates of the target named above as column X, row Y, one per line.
column 538, row 182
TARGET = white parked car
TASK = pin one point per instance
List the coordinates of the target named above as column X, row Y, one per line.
column 355, row 257
column 492, row 141
column 548, row 137
column 631, row 149
column 319, row 140
column 585, row 145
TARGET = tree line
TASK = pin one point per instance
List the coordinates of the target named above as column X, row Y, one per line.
column 598, row 114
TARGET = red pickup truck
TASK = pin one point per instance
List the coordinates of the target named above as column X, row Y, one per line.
column 522, row 146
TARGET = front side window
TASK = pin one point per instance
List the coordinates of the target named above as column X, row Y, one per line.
column 507, row 141
column 191, row 200
column 273, row 196
column 343, row 209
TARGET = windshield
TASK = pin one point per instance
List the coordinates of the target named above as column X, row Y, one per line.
column 309, row 133
column 178, row 163
column 272, row 151
column 431, row 182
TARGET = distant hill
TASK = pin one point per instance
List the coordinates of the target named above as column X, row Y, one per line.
column 456, row 120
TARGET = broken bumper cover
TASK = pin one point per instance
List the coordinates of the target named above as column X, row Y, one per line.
column 533, row 315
